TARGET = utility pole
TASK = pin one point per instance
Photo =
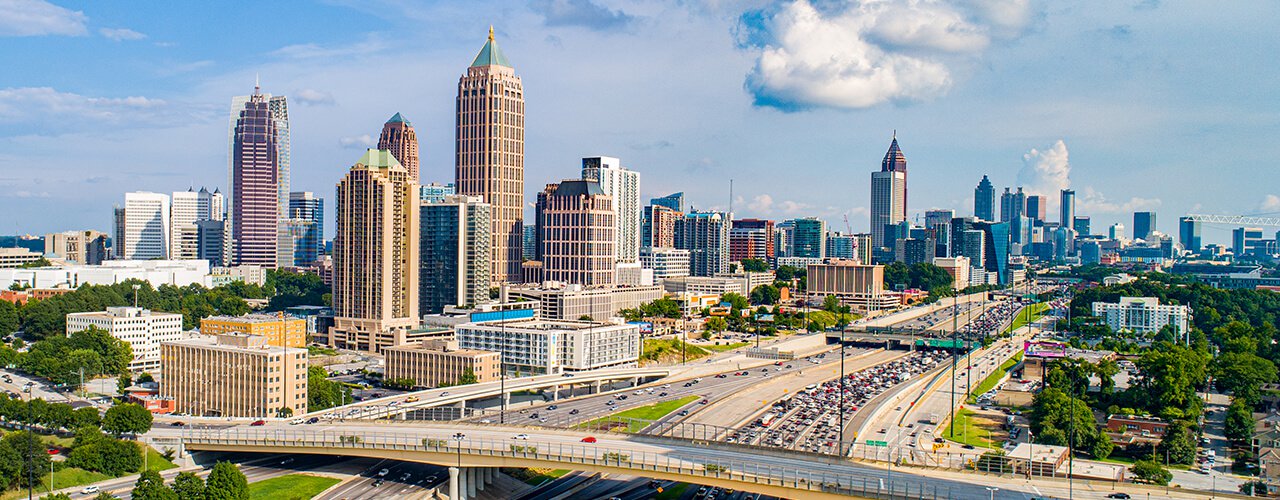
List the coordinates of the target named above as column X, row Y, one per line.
column 951, row 424
column 502, row 369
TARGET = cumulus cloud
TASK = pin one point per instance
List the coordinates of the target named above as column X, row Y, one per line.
column 580, row 13
column 35, row 107
column 120, row 34
column 856, row 54
column 1270, row 203
column 369, row 45
column 1093, row 201
column 358, row 142
column 38, row 17
column 313, row 97
column 762, row 204
column 1047, row 171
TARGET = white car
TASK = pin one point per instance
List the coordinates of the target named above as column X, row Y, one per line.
column 524, row 437
column 89, row 490
column 383, row 472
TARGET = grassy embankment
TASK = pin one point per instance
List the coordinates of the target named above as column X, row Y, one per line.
column 642, row 416
column 290, row 487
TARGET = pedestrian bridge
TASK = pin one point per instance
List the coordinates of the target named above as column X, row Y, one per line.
column 770, row 472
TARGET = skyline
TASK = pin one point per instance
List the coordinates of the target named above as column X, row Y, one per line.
column 155, row 128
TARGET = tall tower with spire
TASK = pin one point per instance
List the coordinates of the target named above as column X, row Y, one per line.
column 489, row 151
column 399, row 137
column 888, row 193
column 258, row 171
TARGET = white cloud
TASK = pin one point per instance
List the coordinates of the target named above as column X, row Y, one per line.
column 37, row 105
column 120, row 34
column 1270, row 203
column 1092, row 201
column 762, row 204
column 312, row 96
column 358, row 141
column 369, row 45
column 1047, row 171
column 860, row 54
column 37, row 17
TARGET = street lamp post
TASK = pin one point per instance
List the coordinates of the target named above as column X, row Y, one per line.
column 952, row 421
column 992, row 490
column 502, row 368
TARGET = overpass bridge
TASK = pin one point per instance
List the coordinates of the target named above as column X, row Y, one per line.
column 401, row 405
column 468, row 449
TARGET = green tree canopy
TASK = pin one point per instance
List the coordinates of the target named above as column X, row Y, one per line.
column 1178, row 445
column 150, row 486
column 736, row 301
column 765, row 294
column 715, row 324
column 127, row 418
column 1239, row 424
column 226, row 482
column 8, row 317
column 188, row 486
column 1148, row 471
column 1242, row 374
column 755, row 266
column 1056, row 416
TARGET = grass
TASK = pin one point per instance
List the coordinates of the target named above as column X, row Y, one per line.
column 321, row 351
column 535, row 477
column 1019, row 321
column 674, row 492
column 64, row 478
column 990, row 382
column 978, row 430
column 156, row 462
column 290, row 487
column 644, row 413
column 725, row 347
column 669, row 351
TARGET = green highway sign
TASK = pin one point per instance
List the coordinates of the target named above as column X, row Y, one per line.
column 877, row 443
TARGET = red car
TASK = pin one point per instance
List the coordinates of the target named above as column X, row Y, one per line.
column 589, row 439
column 258, row 423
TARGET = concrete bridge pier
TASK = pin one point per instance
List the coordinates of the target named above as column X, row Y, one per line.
column 595, row 387
column 454, row 488
column 471, row 481
column 555, row 393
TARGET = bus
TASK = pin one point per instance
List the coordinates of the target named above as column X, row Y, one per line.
column 767, row 419
column 811, row 388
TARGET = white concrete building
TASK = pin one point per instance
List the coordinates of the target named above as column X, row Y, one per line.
column 559, row 301
column 665, row 262
column 187, row 207
column 706, row 285
column 157, row 272
column 16, row 257
column 143, row 329
column 541, row 347
column 799, row 262
column 957, row 267
column 146, row 226
column 624, row 187
column 1142, row 315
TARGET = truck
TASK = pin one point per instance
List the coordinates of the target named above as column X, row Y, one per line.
column 767, row 419
column 933, row 419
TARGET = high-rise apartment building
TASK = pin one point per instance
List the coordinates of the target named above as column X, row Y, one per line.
column 888, row 193
column 1037, row 207
column 234, row 375
column 78, row 247
column 1188, row 234
column 752, row 239
column 706, row 236
column 809, row 238
column 1143, row 224
column 623, row 186
column 674, row 201
column 1067, row 208
column 665, row 262
column 146, row 226
column 578, row 225
column 658, row 228
column 435, row 191
column 984, row 200
column 186, row 209
column 375, row 255
column 142, row 329
column 259, row 181
column 399, row 138
column 455, row 251
column 841, row 246
column 1012, row 205
column 306, row 213
column 529, row 242
column 490, row 151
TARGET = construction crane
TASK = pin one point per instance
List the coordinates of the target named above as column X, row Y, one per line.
column 847, row 226
column 1236, row 220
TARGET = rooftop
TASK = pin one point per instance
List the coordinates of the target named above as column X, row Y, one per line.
column 490, row 54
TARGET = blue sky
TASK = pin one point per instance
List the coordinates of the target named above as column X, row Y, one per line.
column 1140, row 104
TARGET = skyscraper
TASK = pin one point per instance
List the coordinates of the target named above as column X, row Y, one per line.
column 658, row 228
column 706, row 236
column 1143, row 224
column 624, row 187
column 455, row 253
column 809, row 238
column 1189, row 234
column 375, row 255
column 578, row 223
column 1037, row 206
column 674, row 201
column 752, row 239
column 399, row 138
column 1067, row 209
column 146, row 226
column 888, row 192
column 1012, row 205
column 259, row 180
column 306, row 212
column 186, row 209
column 436, row 192
column 984, row 200
column 490, row 151
column 1082, row 225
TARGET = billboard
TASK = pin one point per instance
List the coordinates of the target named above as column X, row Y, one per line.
column 1044, row 349
column 646, row 327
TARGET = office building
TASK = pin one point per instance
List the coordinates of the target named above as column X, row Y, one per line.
column 1248, row 241
column 234, row 375
column 399, row 138
column 658, row 226
column 279, row 330
column 306, row 211
column 1067, row 208
column 211, row 242
column 1189, row 234
column 752, row 239
column 435, row 191
column 665, row 262
column 842, row 246
column 706, row 236
column 259, row 181
column 860, row 286
column 996, row 246
column 623, row 186
column 578, row 225
column 77, row 247
column 957, row 267
column 531, row 347
column 146, row 226
column 888, row 193
column 562, row 301
column 1143, row 224
column 784, row 235
column 142, row 329
column 439, row 362
column 1082, row 225
column 862, row 247
column 490, row 151
column 1142, row 315
column 984, row 200
column 911, row 251
column 1037, row 206
column 1012, row 205
column 939, row 222
column 673, row 201
column 455, row 253
column 1116, row 232
column 375, row 255
column 187, row 209
column 809, row 238
column 528, row 241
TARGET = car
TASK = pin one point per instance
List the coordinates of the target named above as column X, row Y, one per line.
column 1118, row 495
column 702, row 402
column 286, row 461
column 566, row 374
column 178, row 423
column 684, row 413
column 443, row 394
column 313, row 420
column 662, row 394
column 89, row 490
column 486, row 421
column 552, row 407
column 377, row 482
column 405, row 477
column 522, row 437
column 610, row 402
column 411, row 399
column 383, row 472
column 542, row 420
column 589, row 439
column 968, row 447
column 258, row 423
column 574, row 411
column 721, row 375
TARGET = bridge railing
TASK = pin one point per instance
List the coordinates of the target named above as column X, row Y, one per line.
column 672, row 462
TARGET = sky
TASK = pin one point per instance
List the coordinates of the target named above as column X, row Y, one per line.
column 1159, row 105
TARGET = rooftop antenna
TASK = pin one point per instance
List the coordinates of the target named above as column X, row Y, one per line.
column 731, row 197
column 256, row 87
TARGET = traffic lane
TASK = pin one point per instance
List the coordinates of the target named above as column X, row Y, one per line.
column 395, row 484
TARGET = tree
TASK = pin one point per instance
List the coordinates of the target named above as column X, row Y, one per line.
column 150, row 486
column 226, row 482
column 284, row 412
column 585, row 317
column 323, row 393
column 56, row 496
column 831, row 303
column 1242, row 374
column 1178, row 445
column 8, row 318
column 1170, row 373
column 468, row 377
column 755, row 266
column 188, row 486
column 1056, row 418
column 29, row 450
column 715, row 324
column 1148, row 471
column 40, row 262
column 1239, row 424
column 104, row 496
column 126, row 418
column 765, row 294
column 736, row 301
column 85, row 417
column 787, row 273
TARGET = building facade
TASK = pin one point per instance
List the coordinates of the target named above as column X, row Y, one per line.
column 752, row 239
column 658, row 226
column 888, row 193
column 490, row 151
column 306, row 211
column 142, row 329
column 1188, row 234
column 1067, row 207
column 1143, row 224
column 399, row 138
column 375, row 254
column 706, row 236
column 559, row 301
column 437, row 362
column 1143, row 315
column 146, row 226
column 623, row 186
column 259, row 181
column 279, row 330
column 578, row 227
column 809, row 238
column 187, row 209
column 665, row 262
column 234, row 375
column 984, row 200
column 544, row 347
column 860, row 286
column 455, row 251
column 77, row 247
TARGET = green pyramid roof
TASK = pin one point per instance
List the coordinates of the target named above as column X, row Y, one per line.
column 379, row 158
column 399, row 119
column 490, row 54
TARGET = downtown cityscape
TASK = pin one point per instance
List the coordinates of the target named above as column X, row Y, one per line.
column 645, row 280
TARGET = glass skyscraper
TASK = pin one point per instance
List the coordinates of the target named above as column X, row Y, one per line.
column 306, row 214
column 259, row 180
